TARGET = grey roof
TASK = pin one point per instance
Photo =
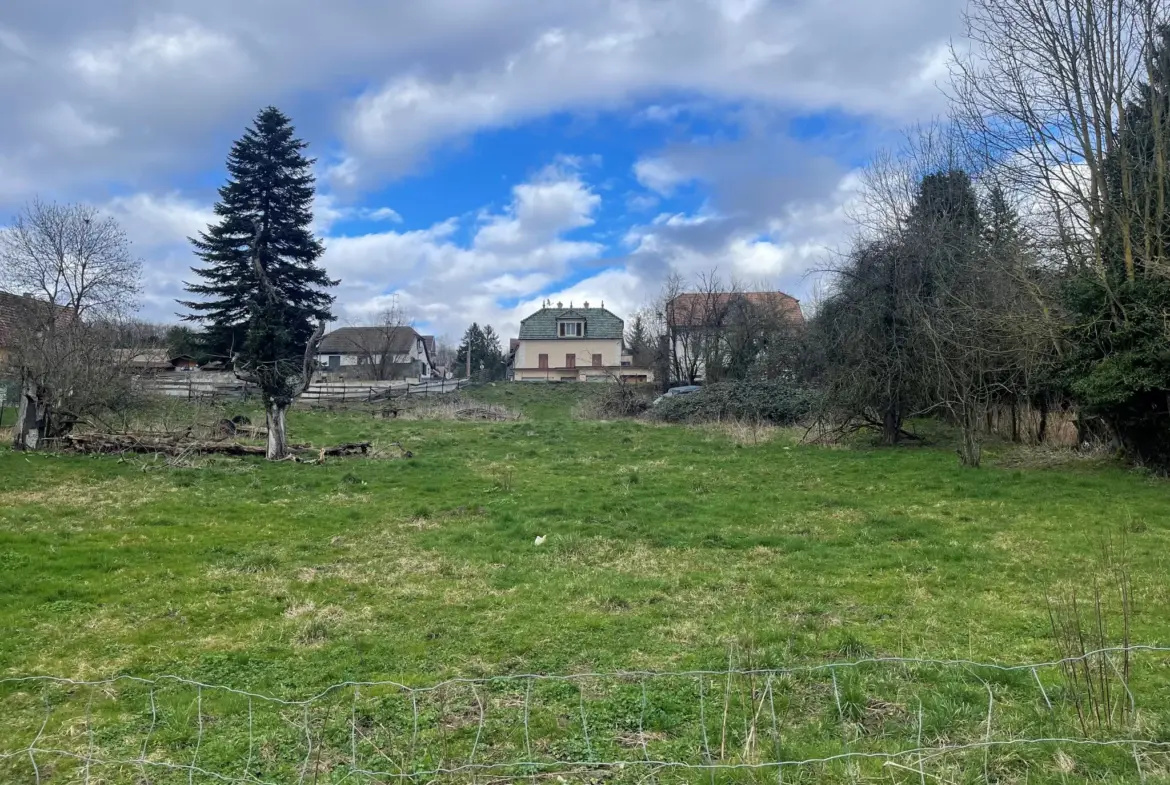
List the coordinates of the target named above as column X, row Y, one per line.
column 369, row 340
column 599, row 323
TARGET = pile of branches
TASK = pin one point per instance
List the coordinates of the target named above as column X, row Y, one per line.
column 155, row 444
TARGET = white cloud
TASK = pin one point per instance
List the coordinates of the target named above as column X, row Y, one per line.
column 65, row 126
column 153, row 222
column 159, row 50
column 515, row 252
column 658, row 175
column 783, row 56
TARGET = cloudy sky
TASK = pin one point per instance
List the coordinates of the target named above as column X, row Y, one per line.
column 478, row 156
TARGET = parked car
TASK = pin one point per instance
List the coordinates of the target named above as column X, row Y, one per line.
column 674, row 392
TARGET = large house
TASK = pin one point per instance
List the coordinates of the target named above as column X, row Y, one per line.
column 10, row 308
column 380, row 353
column 571, row 344
column 705, row 327
column 20, row 311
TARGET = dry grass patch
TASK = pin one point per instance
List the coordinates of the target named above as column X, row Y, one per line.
column 458, row 411
column 1046, row 456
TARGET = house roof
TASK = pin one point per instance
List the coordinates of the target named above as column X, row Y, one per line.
column 143, row 358
column 697, row 309
column 599, row 323
column 149, row 358
column 13, row 311
column 369, row 340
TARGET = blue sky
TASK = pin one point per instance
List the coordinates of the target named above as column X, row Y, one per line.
column 478, row 156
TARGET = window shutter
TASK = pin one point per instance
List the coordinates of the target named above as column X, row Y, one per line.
column 597, row 361
column 543, row 362
column 570, row 361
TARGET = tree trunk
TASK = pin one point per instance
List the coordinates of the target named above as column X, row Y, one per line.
column 970, row 450
column 31, row 419
column 1015, row 421
column 277, row 434
column 891, row 426
column 1042, row 433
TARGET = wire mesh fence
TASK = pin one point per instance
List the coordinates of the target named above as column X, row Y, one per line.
column 891, row 719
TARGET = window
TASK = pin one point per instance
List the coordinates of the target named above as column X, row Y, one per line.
column 571, row 329
column 597, row 361
column 570, row 361
column 543, row 362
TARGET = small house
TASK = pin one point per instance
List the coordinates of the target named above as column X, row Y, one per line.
column 377, row 353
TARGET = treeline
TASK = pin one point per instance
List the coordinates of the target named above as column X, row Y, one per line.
column 1011, row 260
column 1017, row 255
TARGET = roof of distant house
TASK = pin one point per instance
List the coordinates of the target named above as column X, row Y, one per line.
column 600, row 324
column 369, row 340
column 697, row 309
column 146, row 358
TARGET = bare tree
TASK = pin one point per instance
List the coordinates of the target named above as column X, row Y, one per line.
column 694, row 325
column 1043, row 93
column 71, row 256
column 721, row 329
column 79, row 282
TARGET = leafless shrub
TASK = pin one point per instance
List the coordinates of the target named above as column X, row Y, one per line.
column 1092, row 632
column 615, row 401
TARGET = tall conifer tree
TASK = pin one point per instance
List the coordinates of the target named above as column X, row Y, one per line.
column 270, row 186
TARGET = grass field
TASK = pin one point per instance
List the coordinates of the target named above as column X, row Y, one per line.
column 667, row 549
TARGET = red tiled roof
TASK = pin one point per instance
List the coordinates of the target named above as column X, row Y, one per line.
column 14, row 309
column 695, row 309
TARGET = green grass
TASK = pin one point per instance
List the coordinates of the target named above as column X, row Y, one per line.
column 668, row 549
column 540, row 400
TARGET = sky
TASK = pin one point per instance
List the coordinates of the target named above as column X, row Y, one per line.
column 477, row 157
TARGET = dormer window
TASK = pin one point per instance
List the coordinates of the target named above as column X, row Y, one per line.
column 571, row 329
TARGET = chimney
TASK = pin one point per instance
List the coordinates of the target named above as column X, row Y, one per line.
column 560, row 304
column 586, row 303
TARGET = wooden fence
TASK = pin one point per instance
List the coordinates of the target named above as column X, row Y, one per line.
column 193, row 388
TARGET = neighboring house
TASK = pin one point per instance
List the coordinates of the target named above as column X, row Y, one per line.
column 152, row 361
column 15, row 313
column 10, row 307
column 572, row 344
column 715, row 326
column 377, row 353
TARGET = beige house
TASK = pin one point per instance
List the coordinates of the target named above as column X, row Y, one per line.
column 559, row 344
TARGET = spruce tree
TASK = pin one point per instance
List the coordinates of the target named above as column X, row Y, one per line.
column 270, row 186
column 484, row 346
